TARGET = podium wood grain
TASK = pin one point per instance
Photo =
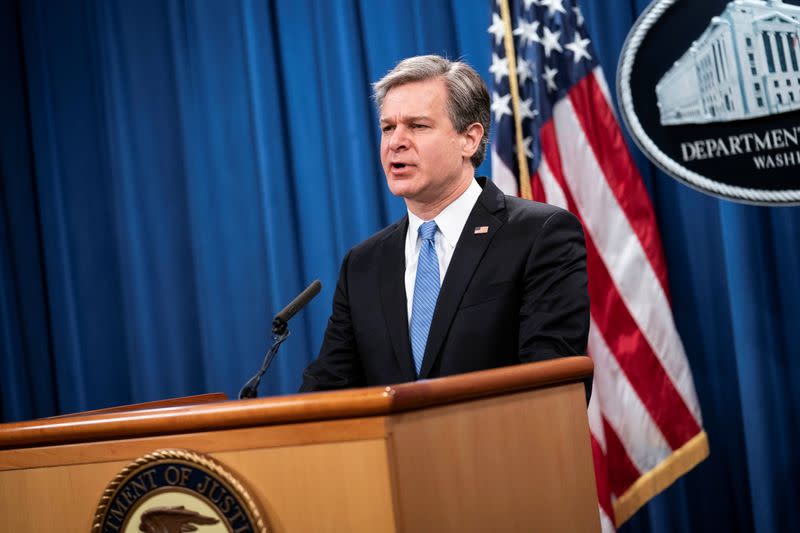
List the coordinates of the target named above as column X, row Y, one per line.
column 503, row 450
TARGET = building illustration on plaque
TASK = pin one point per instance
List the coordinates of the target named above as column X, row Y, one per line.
column 746, row 64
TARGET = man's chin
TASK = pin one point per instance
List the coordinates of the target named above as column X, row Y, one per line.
column 403, row 188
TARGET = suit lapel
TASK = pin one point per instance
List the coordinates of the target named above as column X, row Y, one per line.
column 466, row 258
column 393, row 297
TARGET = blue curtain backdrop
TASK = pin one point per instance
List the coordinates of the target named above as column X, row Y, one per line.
column 173, row 173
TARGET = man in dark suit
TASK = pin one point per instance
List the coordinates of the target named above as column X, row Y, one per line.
column 469, row 279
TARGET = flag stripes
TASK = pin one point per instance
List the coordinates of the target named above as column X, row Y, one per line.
column 600, row 473
column 622, row 252
column 550, row 188
column 644, row 416
column 637, row 359
column 593, row 110
column 622, row 406
column 624, row 474
column 502, row 176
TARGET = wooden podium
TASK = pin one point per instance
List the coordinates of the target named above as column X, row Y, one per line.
column 498, row 450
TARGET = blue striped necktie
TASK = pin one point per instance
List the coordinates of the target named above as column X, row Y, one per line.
column 426, row 291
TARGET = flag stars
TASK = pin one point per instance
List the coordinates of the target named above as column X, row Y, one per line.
column 524, row 70
column 550, row 41
column 525, row 109
column 578, row 15
column 499, row 68
column 498, row 29
column 578, row 48
column 554, row 6
column 526, row 145
column 549, row 77
column 500, row 106
column 529, row 3
column 528, row 32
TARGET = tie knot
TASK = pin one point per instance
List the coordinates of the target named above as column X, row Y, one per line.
column 427, row 230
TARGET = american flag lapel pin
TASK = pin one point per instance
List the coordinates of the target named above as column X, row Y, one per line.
column 480, row 230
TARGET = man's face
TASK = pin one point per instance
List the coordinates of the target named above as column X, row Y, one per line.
column 423, row 156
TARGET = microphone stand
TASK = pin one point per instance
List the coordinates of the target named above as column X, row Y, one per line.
column 280, row 332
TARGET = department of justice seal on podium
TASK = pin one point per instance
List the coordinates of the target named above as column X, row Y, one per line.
column 176, row 491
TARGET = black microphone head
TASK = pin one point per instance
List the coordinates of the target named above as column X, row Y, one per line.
column 299, row 302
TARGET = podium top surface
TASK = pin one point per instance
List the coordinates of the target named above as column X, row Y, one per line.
column 351, row 403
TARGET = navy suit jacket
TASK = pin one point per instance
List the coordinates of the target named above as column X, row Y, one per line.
column 517, row 293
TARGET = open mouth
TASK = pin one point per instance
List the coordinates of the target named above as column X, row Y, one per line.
column 398, row 166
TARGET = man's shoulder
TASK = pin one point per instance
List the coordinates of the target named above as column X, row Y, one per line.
column 517, row 210
column 526, row 212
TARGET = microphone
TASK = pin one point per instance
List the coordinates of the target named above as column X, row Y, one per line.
column 279, row 333
column 280, row 320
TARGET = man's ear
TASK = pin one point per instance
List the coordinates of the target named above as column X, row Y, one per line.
column 472, row 139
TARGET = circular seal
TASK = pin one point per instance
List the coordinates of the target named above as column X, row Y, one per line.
column 710, row 92
column 175, row 491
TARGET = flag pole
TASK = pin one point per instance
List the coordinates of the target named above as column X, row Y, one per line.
column 522, row 159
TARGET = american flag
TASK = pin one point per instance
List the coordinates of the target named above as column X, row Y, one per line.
column 557, row 140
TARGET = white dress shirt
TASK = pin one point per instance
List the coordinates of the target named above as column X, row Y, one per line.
column 450, row 223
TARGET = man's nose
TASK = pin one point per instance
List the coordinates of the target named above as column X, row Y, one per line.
column 399, row 138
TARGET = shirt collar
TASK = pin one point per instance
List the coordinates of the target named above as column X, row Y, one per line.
column 452, row 219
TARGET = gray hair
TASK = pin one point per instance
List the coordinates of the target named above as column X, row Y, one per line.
column 467, row 95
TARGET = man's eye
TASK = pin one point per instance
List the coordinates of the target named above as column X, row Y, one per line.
column 418, row 126
column 387, row 129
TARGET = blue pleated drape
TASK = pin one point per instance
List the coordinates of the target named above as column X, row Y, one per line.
column 173, row 173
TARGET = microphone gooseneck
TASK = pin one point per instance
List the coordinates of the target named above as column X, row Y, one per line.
column 280, row 332
column 250, row 389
